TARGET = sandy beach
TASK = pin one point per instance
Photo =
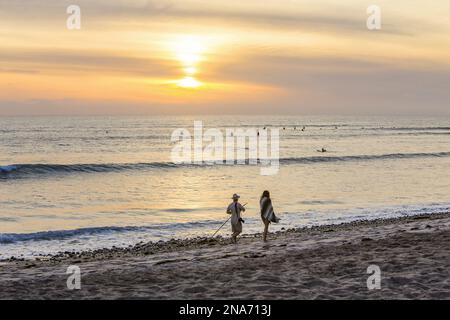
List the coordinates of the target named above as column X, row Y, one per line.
column 327, row 262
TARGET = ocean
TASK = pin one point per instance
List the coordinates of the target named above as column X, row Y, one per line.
column 81, row 183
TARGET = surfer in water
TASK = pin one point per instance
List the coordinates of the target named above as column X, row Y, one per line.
column 235, row 209
column 322, row 150
column 267, row 214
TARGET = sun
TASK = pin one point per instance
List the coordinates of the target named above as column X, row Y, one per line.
column 189, row 51
column 188, row 82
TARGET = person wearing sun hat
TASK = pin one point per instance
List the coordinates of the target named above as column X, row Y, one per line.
column 235, row 209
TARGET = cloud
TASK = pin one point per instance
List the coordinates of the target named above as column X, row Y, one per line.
column 276, row 15
column 321, row 60
column 334, row 85
column 18, row 71
column 85, row 61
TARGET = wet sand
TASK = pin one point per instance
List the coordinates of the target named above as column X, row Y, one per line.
column 327, row 262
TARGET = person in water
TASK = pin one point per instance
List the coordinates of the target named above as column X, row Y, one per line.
column 235, row 209
column 267, row 214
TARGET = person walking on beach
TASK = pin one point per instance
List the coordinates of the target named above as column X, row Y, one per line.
column 267, row 214
column 235, row 209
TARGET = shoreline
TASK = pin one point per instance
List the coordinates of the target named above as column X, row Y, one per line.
column 315, row 259
column 175, row 244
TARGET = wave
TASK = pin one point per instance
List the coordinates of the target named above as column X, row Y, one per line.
column 410, row 128
column 8, row 238
column 20, row 170
column 389, row 156
column 166, row 231
column 24, row 170
column 7, row 169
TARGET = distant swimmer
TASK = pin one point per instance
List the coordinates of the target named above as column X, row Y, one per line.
column 322, row 150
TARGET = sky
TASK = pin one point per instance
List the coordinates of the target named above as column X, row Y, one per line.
column 224, row 57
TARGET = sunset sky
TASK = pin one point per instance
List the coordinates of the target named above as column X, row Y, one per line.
column 224, row 57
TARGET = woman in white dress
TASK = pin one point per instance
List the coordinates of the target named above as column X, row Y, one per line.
column 235, row 209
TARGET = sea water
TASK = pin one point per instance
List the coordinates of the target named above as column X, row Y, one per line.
column 79, row 183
